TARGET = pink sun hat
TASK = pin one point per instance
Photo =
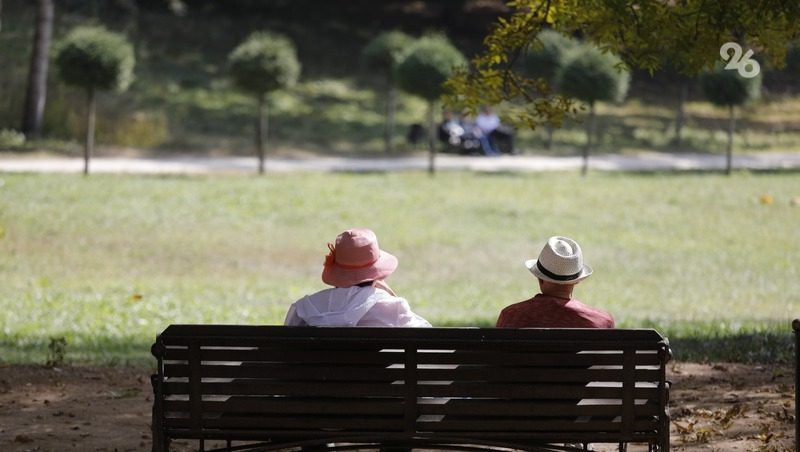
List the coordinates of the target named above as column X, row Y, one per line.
column 356, row 258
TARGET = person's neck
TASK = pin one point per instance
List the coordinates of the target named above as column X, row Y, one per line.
column 563, row 294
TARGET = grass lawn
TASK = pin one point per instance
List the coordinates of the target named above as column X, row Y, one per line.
column 107, row 261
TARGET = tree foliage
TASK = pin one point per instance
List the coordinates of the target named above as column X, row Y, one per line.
column 386, row 51
column 94, row 58
column 383, row 55
column 645, row 33
column 592, row 76
column 726, row 88
column 263, row 63
column 546, row 55
column 430, row 61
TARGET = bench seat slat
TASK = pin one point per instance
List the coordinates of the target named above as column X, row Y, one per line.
column 248, row 387
column 497, row 407
column 424, row 357
column 293, row 423
column 320, row 372
column 539, row 391
column 517, row 374
column 281, row 406
column 530, row 425
column 373, row 373
column 287, row 355
column 545, row 358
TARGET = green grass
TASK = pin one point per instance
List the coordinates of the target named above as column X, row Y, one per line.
column 108, row 261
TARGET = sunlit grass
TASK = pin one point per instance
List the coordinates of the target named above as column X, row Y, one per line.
column 108, row 261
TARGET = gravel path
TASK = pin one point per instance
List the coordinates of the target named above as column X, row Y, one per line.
column 188, row 164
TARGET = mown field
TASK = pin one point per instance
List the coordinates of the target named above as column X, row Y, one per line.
column 107, row 261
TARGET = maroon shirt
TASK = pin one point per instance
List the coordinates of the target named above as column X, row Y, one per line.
column 544, row 311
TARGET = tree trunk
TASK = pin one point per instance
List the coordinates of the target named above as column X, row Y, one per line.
column 391, row 106
column 548, row 144
column 431, row 138
column 262, row 129
column 590, row 131
column 1, row 15
column 680, row 115
column 731, row 128
column 88, row 149
column 36, row 94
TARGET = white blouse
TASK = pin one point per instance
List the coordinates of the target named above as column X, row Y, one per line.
column 353, row 306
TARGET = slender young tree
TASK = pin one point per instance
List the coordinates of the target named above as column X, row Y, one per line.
column 263, row 63
column 384, row 54
column 592, row 76
column 430, row 62
column 36, row 93
column 726, row 88
column 94, row 59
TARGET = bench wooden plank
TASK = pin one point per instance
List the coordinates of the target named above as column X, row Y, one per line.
column 246, row 387
column 304, row 405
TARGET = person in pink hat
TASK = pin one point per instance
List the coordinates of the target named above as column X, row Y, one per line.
column 356, row 267
column 559, row 268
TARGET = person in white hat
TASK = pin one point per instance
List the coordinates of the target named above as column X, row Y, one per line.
column 559, row 268
column 356, row 267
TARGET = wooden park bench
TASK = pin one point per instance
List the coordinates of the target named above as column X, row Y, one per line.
column 275, row 387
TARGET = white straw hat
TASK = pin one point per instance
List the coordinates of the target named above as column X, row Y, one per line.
column 560, row 262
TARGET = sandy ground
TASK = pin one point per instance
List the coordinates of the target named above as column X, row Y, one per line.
column 714, row 407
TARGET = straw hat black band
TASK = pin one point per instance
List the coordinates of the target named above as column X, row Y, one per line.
column 552, row 275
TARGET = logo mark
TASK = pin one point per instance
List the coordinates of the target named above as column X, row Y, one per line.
column 747, row 67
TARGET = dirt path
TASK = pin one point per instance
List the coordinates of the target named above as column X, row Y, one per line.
column 720, row 407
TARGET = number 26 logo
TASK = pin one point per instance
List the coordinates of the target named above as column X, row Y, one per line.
column 747, row 67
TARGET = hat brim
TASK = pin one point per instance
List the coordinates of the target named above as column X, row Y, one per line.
column 530, row 264
column 338, row 276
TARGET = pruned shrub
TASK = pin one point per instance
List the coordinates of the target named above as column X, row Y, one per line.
column 263, row 63
column 429, row 63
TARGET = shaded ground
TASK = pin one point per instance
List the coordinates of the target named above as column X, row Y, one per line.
column 715, row 407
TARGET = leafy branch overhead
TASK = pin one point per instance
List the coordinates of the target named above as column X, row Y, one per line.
column 646, row 34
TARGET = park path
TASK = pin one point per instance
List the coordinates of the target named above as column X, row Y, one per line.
column 189, row 164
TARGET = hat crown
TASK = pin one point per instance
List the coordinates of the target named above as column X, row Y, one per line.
column 357, row 248
column 561, row 256
column 356, row 258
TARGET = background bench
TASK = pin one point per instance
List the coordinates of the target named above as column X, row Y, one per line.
column 409, row 387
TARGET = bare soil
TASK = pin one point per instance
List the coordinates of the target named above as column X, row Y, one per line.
column 714, row 407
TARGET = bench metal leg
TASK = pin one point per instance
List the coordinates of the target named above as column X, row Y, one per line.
column 160, row 443
column 796, row 328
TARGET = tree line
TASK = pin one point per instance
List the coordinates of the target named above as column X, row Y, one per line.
column 558, row 66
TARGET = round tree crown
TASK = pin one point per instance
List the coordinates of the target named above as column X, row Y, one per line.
column 546, row 55
column 429, row 64
column 726, row 88
column 263, row 63
column 590, row 75
column 94, row 58
column 387, row 50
